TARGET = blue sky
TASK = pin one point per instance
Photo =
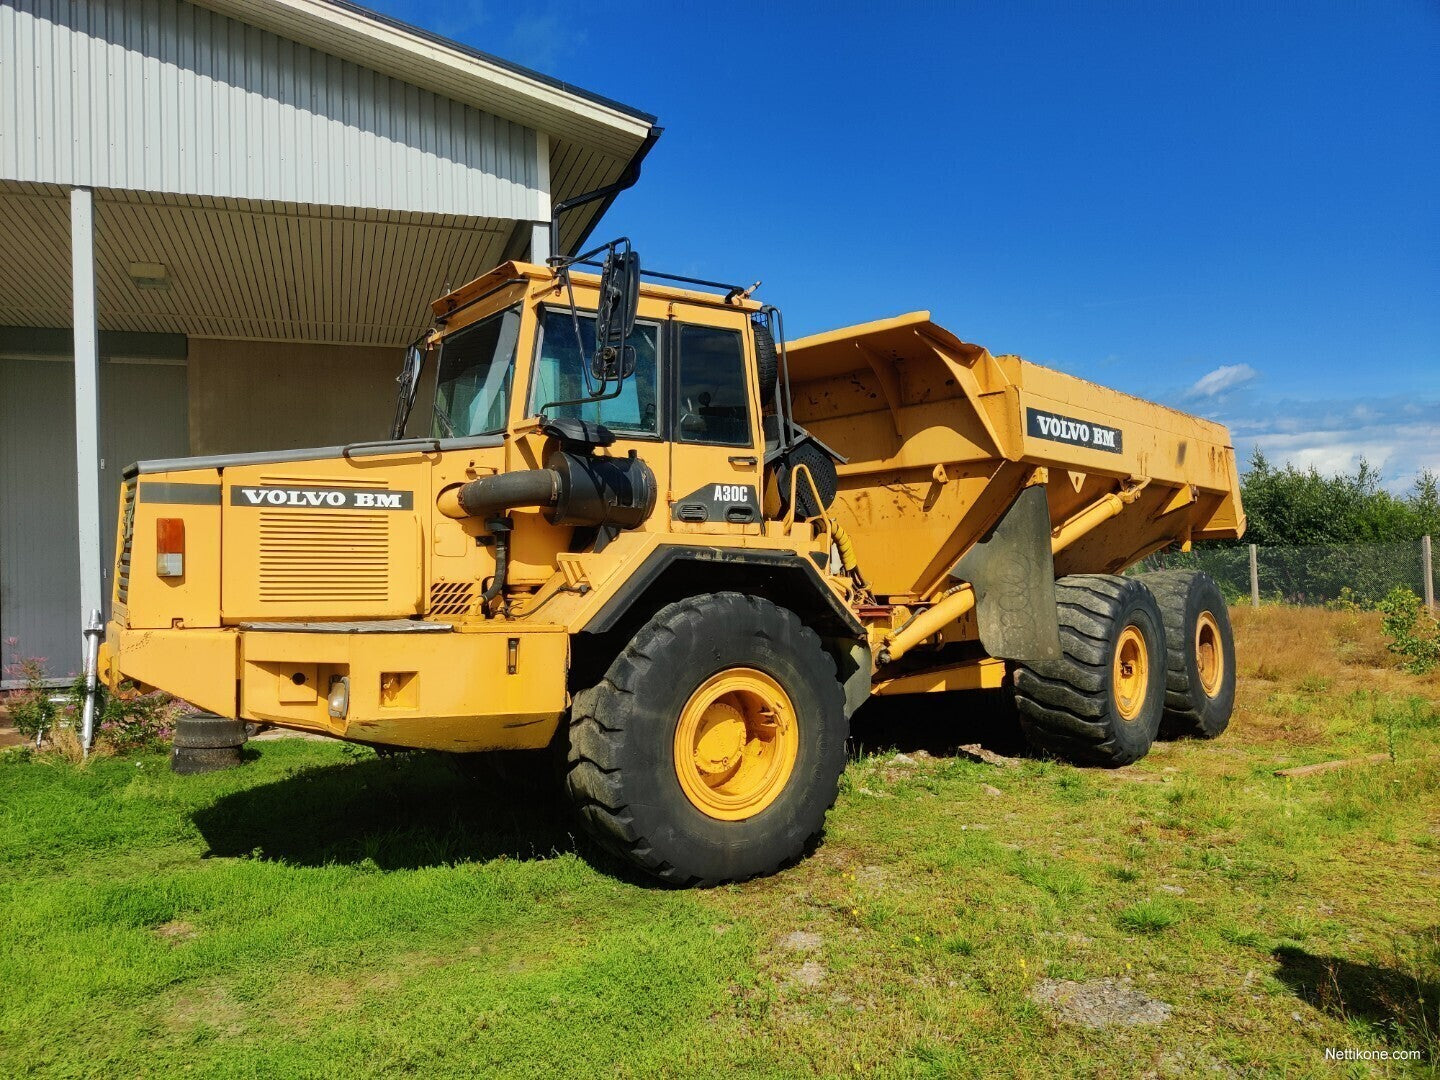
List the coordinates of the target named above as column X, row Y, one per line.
column 1232, row 208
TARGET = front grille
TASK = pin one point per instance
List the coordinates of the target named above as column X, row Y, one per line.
column 452, row 597
column 324, row 557
column 127, row 539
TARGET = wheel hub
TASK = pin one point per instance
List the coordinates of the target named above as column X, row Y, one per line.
column 722, row 739
column 1131, row 673
column 1209, row 658
column 735, row 744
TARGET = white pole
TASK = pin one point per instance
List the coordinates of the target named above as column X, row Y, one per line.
column 540, row 231
column 94, row 631
column 1254, row 578
column 1427, row 570
column 87, row 399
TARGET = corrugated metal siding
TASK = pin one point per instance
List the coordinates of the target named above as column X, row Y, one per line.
column 160, row 95
column 39, row 561
column 246, row 270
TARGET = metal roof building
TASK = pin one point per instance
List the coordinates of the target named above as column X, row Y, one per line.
column 221, row 221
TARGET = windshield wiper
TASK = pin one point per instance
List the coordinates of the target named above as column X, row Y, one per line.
column 444, row 420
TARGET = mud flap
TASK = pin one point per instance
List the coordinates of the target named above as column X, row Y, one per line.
column 1012, row 572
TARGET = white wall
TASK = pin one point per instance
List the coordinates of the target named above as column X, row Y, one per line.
column 161, row 95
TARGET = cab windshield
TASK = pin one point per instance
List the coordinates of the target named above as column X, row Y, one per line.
column 477, row 368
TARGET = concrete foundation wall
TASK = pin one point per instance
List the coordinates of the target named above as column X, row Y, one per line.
column 275, row 395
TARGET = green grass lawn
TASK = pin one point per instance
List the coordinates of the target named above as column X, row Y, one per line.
column 321, row 911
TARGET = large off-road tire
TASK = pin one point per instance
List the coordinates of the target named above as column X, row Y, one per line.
column 1200, row 654
column 712, row 748
column 1100, row 703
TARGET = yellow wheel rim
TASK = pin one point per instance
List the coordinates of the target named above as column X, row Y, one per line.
column 1209, row 657
column 735, row 744
column 1131, row 672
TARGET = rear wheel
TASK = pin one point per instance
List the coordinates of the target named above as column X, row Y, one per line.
column 1200, row 654
column 712, row 748
column 1100, row 703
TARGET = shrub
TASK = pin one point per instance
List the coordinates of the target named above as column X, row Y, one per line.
column 128, row 720
column 124, row 721
column 1413, row 632
column 31, row 711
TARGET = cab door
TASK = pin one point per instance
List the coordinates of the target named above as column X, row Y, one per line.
column 713, row 426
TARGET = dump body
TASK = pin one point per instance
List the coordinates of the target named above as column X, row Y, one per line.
column 940, row 436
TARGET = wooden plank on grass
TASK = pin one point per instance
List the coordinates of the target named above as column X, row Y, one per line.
column 1331, row 766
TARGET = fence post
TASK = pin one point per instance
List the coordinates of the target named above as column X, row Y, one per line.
column 1427, row 571
column 1254, row 578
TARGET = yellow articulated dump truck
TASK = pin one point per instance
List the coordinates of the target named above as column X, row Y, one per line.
column 631, row 523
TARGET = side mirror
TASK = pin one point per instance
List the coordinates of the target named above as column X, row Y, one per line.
column 409, row 380
column 615, row 317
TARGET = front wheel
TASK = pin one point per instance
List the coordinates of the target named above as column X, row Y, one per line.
column 712, row 748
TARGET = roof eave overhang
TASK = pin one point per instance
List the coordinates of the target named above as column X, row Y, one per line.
column 448, row 68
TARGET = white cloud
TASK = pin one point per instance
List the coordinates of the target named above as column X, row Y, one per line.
column 1224, row 378
column 1399, row 437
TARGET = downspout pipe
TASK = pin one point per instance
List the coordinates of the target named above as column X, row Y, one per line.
column 626, row 180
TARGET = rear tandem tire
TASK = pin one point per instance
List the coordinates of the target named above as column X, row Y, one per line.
column 752, row 697
column 1200, row 654
column 1100, row 703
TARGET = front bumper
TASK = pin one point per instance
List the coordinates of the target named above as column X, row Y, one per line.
column 497, row 688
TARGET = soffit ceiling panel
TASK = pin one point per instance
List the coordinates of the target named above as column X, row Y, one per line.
column 234, row 269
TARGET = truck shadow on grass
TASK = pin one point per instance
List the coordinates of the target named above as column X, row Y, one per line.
column 416, row 810
column 396, row 813
column 937, row 724
column 1403, row 1001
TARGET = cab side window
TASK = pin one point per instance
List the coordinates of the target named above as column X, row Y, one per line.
column 560, row 375
column 713, row 405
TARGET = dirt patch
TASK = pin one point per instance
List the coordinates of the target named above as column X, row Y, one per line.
column 272, row 734
column 176, row 931
column 211, row 1008
column 1100, row 1003
column 810, row 974
column 801, row 941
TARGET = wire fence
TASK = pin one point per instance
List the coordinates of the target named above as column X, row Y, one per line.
column 1359, row 573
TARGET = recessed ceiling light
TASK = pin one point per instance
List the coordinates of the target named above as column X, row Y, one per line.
column 149, row 275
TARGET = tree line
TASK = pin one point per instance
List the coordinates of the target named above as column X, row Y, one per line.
column 1293, row 507
column 1321, row 538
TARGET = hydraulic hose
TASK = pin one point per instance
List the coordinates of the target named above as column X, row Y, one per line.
column 500, row 529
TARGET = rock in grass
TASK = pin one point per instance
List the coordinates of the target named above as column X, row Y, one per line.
column 1099, row 1003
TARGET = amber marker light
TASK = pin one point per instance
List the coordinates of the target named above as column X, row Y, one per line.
column 170, row 547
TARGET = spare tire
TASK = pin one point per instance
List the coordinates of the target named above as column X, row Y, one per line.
column 205, row 731
column 767, row 362
column 821, row 467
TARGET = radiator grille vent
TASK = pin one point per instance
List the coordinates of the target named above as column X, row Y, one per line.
column 452, row 597
column 324, row 557
column 693, row 512
column 127, row 544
